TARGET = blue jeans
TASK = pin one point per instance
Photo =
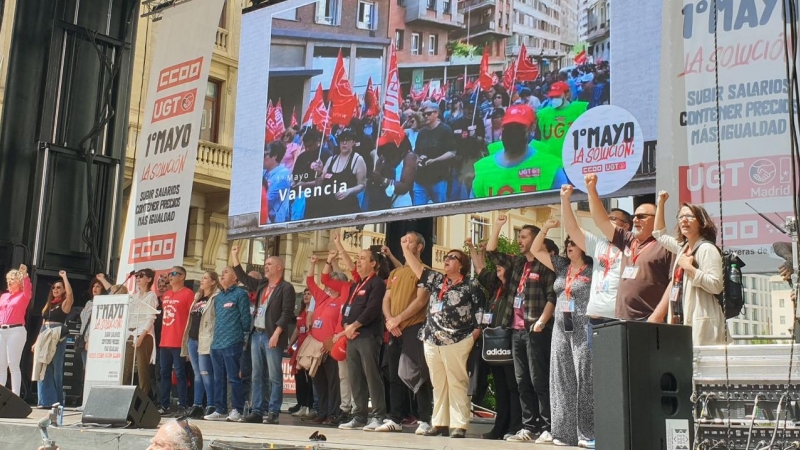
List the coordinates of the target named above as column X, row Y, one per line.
column 226, row 363
column 299, row 208
column 171, row 359
column 203, row 375
column 437, row 193
column 267, row 363
column 51, row 388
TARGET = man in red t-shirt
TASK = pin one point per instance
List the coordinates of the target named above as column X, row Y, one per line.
column 175, row 305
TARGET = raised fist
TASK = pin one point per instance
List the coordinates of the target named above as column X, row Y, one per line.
column 314, row 259
column 62, row 273
column 591, row 181
column 501, row 220
column 663, row 196
column 552, row 223
column 566, row 190
column 235, row 249
column 332, row 254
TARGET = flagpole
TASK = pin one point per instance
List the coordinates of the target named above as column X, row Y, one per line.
column 324, row 129
column 513, row 80
column 477, row 99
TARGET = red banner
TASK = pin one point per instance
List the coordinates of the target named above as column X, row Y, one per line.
column 317, row 113
column 485, row 79
column 508, row 77
column 391, row 128
column 343, row 102
column 526, row 70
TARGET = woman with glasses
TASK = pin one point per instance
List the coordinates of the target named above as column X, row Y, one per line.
column 96, row 287
column 571, row 384
column 449, row 334
column 343, row 178
column 696, row 277
column 196, row 344
column 292, row 149
column 13, row 305
column 54, row 315
column 413, row 124
column 141, row 334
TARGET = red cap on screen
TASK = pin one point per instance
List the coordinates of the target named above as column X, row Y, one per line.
column 339, row 350
column 558, row 89
column 521, row 114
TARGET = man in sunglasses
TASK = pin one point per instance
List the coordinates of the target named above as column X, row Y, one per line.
column 645, row 268
column 435, row 147
column 175, row 305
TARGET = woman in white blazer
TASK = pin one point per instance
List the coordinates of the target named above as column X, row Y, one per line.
column 696, row 276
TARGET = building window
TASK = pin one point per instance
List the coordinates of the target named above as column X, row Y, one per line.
column 782, row 303
column 432, row 5
column 746, row 328
column 257, row 252
column 446, row 6
column 735, row 328
column 755, row 315
column 329, row 12
column 480, row 228
column 783, row 320
column 399, row 36
column 415, row 43
column 209, row 126
column 366, row 16
column 433, row 44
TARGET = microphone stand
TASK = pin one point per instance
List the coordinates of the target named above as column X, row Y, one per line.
column 123, row 283
column 791, row 227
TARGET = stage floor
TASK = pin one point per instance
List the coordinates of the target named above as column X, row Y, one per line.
column 23, row 434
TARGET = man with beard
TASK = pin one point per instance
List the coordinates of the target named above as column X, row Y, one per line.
column 556, row 118
column 645, row 268
column 516, row 166
column 435, row 147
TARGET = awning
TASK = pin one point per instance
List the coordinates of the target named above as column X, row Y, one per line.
column 303, row 73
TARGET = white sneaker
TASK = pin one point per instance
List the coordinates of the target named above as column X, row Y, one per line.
column 390, row 425
column 559, row 443
column 424, row 427
column 583, row 443
column 354, row 424
column 300, row 412
column 522, row 436
column 216, row 417
column 373, row 424
column 544, row 438
column 234, row 416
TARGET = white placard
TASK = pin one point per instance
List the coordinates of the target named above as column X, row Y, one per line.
column 108, row 331
column 606, row 141
column 155, row 228
column 678, row 434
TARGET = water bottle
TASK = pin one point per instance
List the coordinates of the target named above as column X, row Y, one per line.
column 246, row 411
column 736, row 274
column 60, row 416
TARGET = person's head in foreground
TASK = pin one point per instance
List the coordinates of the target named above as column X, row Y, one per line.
column 177, row 435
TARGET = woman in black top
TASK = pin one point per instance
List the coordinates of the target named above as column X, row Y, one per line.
column 54, row 315
column 343, row 178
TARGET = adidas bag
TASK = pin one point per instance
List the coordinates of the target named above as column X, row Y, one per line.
column 496, row 346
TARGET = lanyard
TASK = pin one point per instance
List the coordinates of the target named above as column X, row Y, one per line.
column 358, row 288
column 571, row 279
column 610, row 260
column 500, row 291
column 446, row 287
column 267, row 294
column 634, row 254
column 678, row 275
column 524, row 279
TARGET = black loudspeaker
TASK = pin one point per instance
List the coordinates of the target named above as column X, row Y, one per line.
column 642, row 385
column 125, row 406
column 11, row 406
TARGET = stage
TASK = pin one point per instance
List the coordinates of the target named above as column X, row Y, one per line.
column 23, row 434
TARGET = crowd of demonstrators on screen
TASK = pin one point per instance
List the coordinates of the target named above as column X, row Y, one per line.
column 470, row 144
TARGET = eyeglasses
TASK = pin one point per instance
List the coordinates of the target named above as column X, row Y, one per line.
column 428, row 113
column 642, row 216
column 175, row 273
column 450, row 257
column 497, row 97
column 687, row 217
column 140, row 275
column 617, row 219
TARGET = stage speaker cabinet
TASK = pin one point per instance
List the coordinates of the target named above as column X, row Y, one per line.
column 642, row 386
column 11, row 406
column 120, row 406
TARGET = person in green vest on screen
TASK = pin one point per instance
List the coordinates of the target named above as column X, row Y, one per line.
column 514, row 165
column 555, row 118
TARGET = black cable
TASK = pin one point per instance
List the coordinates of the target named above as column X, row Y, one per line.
column 789, row 16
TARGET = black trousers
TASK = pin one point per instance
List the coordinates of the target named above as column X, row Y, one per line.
column 326, row 382
column 532, row 371
column 399, row 393
column 509, row 408
column 304, row 389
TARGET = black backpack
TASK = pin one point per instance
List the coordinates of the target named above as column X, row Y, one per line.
column 731, row 299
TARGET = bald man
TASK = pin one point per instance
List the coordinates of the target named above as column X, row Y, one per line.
column 273, row 312
column 177, row 435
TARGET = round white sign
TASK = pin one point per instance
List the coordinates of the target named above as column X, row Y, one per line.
column 607, row 141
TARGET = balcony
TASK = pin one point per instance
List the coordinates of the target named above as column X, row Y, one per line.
column 488, row 29
column 221, row 41
column 431, row 12
column 214, row 164
column 439, row 253
column 598, row 32
column 512, row 49
column 472, row 6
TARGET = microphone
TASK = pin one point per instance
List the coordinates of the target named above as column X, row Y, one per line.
column 132, row 273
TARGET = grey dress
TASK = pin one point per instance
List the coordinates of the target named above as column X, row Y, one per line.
column 571, row 387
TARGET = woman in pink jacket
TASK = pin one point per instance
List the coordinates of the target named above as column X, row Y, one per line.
column 13, row 304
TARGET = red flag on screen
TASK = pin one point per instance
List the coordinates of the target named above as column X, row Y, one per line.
column 485, row 79
column 526, row 70
column 391, row 128
column 343, row 101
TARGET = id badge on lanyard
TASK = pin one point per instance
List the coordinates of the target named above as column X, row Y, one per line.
column 518, row 301
column 436, row 307
column 630, row 273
